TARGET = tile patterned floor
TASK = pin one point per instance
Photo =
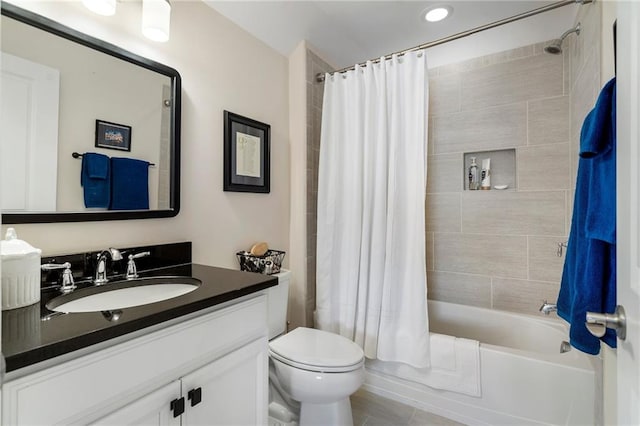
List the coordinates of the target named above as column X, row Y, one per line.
column 373, row 410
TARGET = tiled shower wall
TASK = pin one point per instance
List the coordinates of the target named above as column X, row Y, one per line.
column 315, row 92
column 584, row 63
column 498, row 249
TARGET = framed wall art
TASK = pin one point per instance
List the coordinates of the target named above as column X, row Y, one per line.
column 113, row 136
column 246, row 154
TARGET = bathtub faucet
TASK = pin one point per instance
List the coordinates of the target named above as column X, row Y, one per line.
column 547, row 308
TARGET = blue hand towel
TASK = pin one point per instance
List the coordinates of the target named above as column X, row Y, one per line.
column 589, row 274
column 598, row 144
column 95, row 180
column 129, row 184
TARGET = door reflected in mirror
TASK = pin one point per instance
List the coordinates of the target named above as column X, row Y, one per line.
column 58, row 88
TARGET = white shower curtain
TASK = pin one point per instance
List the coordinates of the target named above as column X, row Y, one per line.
column 371, row 263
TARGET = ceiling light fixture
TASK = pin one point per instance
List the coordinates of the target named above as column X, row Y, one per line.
column 101, row 7
column 156, row 19
column 438, row 13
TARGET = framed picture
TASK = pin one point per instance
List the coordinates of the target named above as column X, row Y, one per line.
column 246, row 154
column 113, row 136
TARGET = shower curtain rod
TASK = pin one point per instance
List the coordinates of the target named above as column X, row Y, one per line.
column 320, row 76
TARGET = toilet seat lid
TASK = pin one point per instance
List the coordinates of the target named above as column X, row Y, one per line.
column 313, row 349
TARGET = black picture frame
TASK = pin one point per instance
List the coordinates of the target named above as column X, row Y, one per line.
column 113, row 136
column 246, row 154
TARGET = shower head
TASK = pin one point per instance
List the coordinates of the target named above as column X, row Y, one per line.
column 555, row 47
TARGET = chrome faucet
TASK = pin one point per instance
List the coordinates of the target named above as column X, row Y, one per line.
column 101, row 267
column 547, row 308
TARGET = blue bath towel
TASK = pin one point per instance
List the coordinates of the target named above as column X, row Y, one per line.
column 95, row 180
column 129, row 184
column 589, row 274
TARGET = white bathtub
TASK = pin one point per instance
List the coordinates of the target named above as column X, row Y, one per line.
column 525, row 379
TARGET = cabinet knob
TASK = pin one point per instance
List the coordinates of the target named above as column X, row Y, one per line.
column 177, row 405
column 195, row 396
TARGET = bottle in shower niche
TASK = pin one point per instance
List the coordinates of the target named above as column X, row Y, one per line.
column 473, row 175
column 486, row 174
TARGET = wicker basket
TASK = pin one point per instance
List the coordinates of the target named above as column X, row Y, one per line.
column 269, row 263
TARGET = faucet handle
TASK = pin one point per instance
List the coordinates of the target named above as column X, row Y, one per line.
column 54, row 266
column 68, row 285
column 132, row 270
column 139, row 255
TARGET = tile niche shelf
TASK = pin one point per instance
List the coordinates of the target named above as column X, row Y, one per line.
column 503, row 167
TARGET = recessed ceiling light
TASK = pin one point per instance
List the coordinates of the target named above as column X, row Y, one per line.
column 437, row 13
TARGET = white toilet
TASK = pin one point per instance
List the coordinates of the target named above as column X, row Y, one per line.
column 310, row 370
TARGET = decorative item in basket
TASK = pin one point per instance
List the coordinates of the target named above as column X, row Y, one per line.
column 269, row 263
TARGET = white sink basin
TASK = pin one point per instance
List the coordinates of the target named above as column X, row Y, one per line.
column 123, row 294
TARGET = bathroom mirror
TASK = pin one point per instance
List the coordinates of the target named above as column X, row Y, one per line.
column 71, row 94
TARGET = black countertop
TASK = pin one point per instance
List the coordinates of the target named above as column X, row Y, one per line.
column 27, row 339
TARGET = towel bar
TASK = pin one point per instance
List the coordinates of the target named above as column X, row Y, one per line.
column 78, row 155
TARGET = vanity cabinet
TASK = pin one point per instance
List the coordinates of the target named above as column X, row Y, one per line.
column 220, row 356
column 225, row 392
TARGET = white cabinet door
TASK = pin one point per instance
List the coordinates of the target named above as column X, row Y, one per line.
column 153, row 409
column 233, row 389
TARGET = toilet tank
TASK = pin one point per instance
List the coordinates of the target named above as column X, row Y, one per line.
column 277, row 302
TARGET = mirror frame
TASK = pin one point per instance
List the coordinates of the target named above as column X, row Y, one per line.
column 60, row 30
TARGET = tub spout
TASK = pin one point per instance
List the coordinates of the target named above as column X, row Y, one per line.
column 547, row 308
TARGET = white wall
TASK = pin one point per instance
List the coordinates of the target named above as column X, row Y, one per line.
column 222, row 67
column 298, row 225
column 502, row 38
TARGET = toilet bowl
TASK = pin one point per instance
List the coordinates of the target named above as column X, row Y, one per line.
column 311, row 369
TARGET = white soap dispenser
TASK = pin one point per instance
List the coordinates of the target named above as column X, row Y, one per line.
column 20, row 272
